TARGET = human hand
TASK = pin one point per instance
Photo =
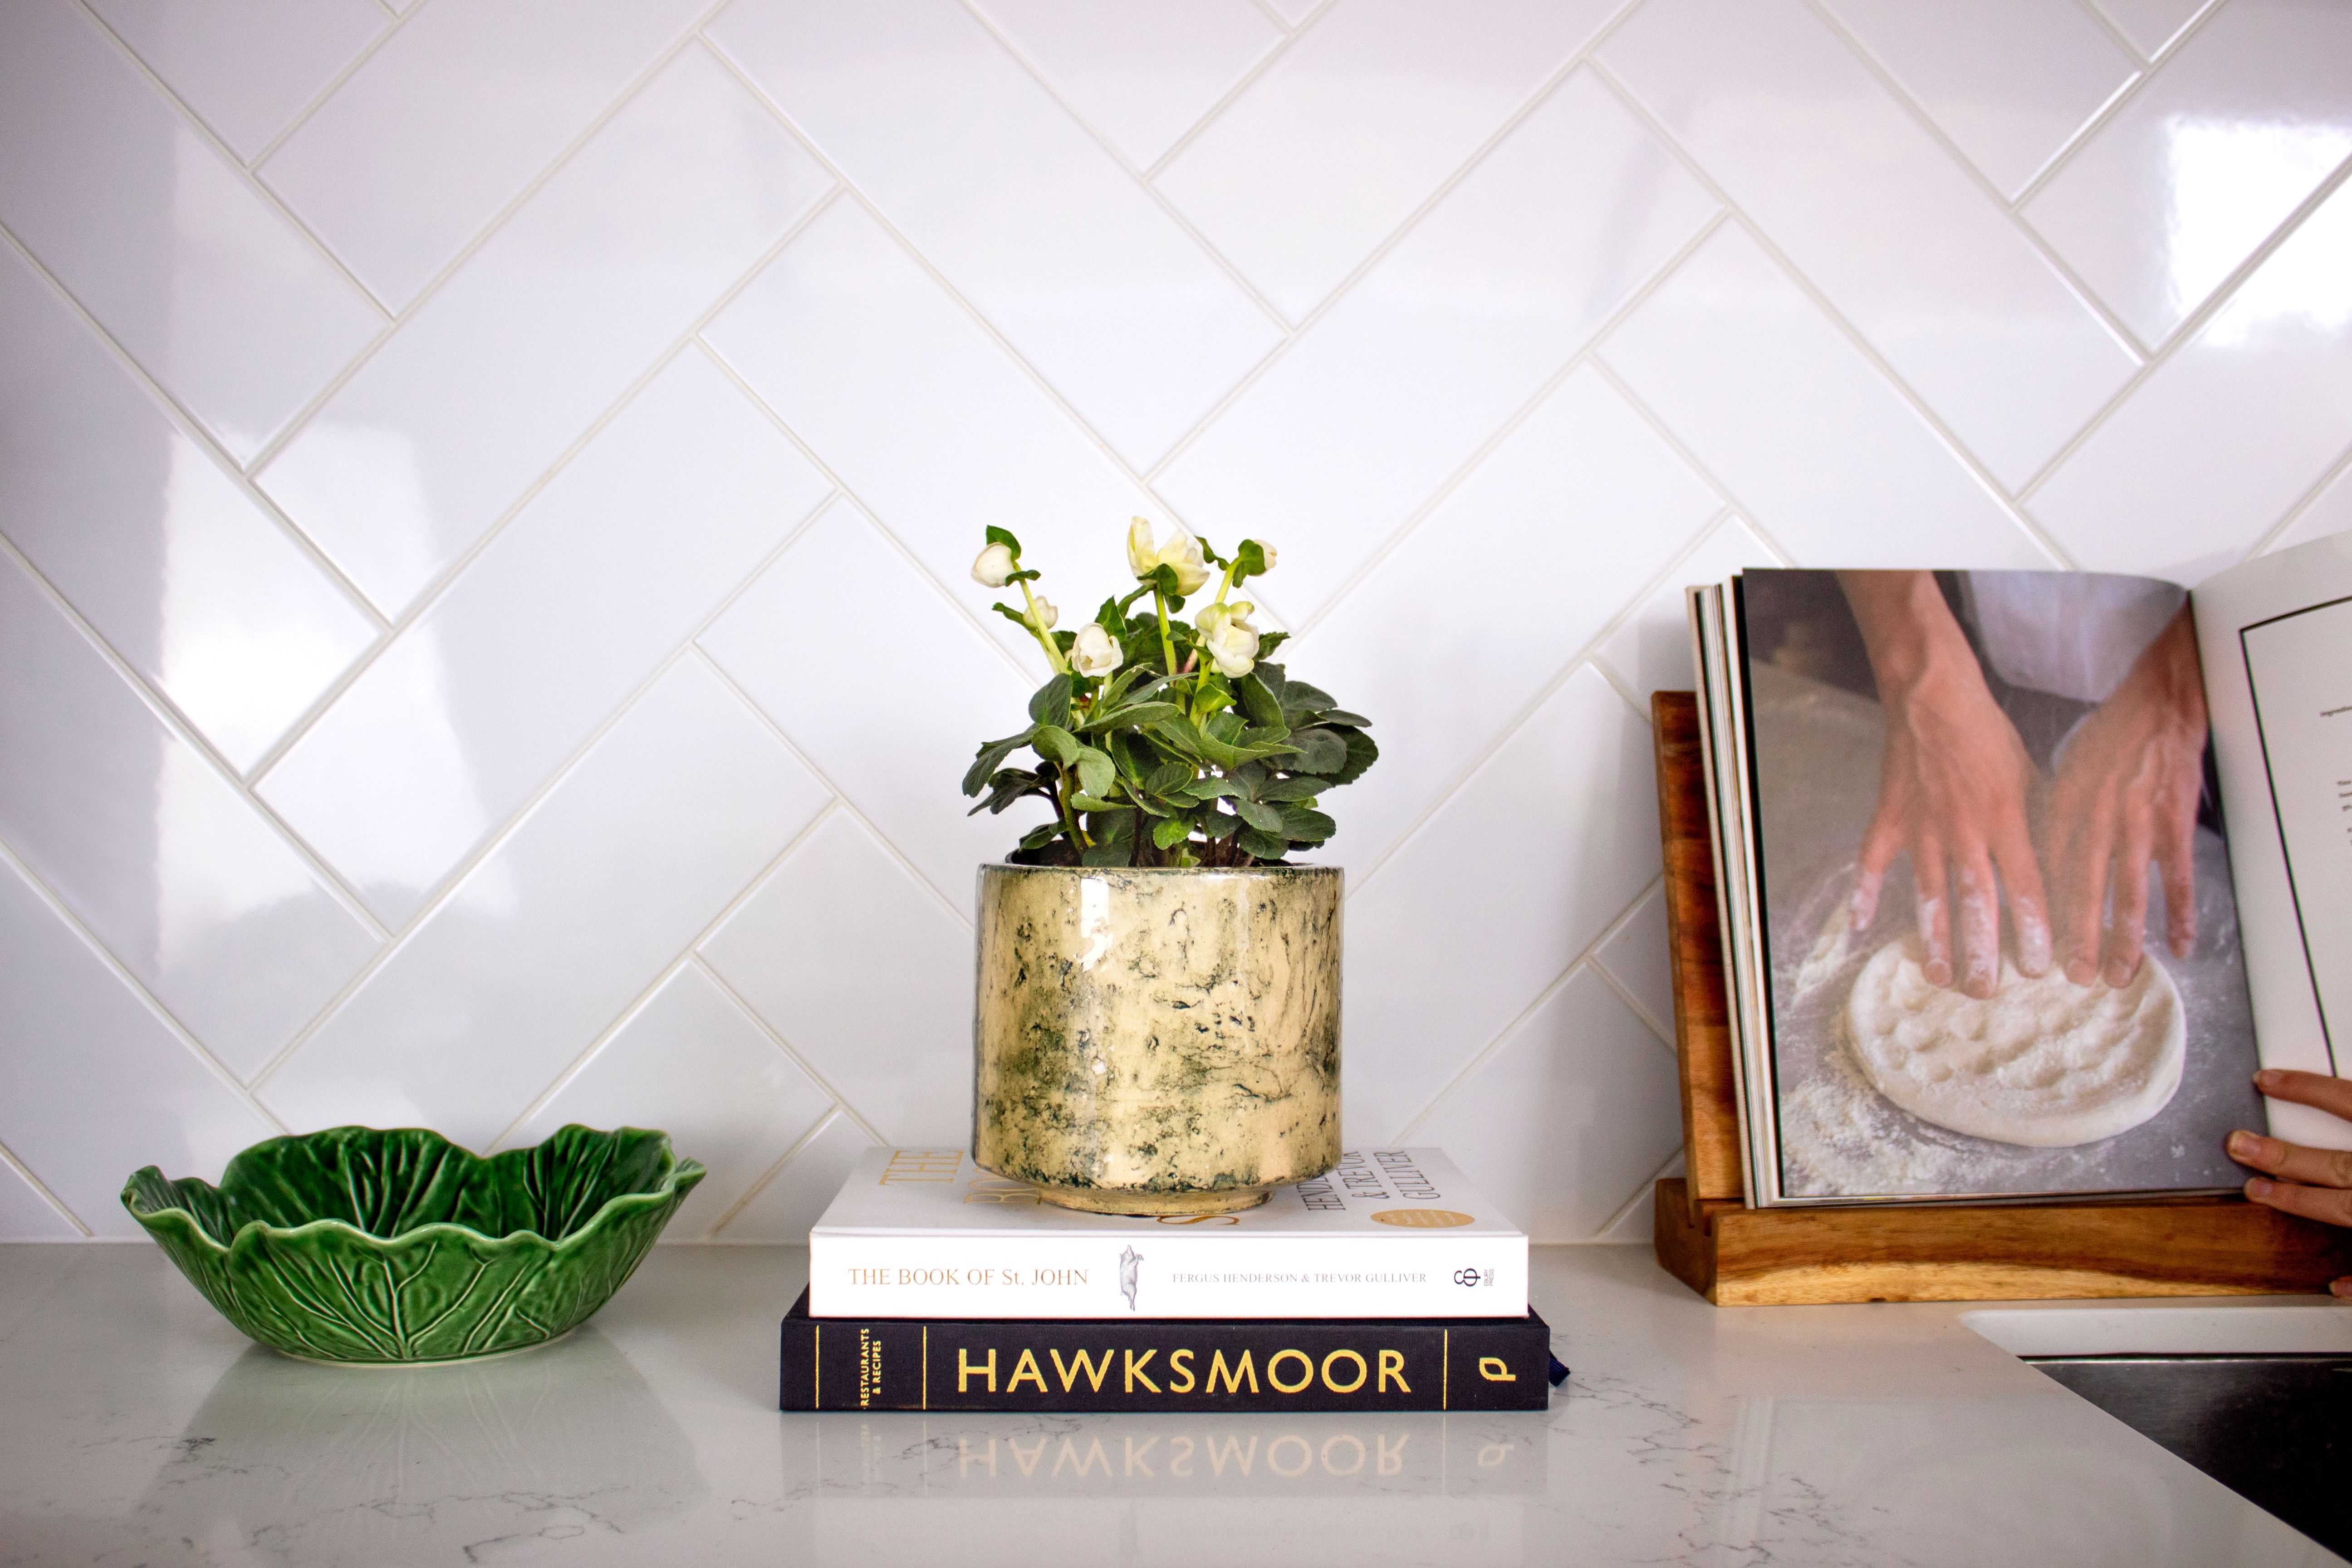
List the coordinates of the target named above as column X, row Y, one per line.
column 2313, row 1183
column 1953, row 787
column 2125, row 792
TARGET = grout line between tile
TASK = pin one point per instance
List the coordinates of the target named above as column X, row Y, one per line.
column 64, row 1210
column 173, row 719
column 1272, row 16
column 1389, row 242
column 939, row 280
column 668, row 971
column 849, row 807
column 211, row 139
column 773, row 1171
column 2089, row 129
column 1895, row 89
column 1674, row 443
column 2293, row 514
column 465, row 252
column 1005, row 41
column 1861, row 345
column 2107, row 24
column 137, row 987
column 317, row 99
column 2191, row 326
column 423, row 601
column 1664, row 1033
column 717, row 977
column 1632, row 301
column 1649, row 1185
column 189, row 425
column 458, row 874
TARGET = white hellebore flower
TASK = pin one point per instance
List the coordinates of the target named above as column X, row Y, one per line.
column 1268, row 551
column 994, row 566
column 1042, row 613
column 1094, row 654
column 1230, row 639
column 1179, row 550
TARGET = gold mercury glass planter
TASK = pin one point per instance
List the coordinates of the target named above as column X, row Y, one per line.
column 1157, row 1041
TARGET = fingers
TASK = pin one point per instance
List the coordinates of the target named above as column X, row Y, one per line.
column 2029, row 904
column 2292, row 1161
column 2127, row 921
column 2329, row 1206
column 2082, row 891
column 1879, row 847
column 2176, row 861
column 1934, row 911
column 2333, row 1095
column 1979, row 927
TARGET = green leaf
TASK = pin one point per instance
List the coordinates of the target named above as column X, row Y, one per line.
column 1003, row 536
column 1220, row 824
column 1302, row 790
column 1182, row 735
column 1110, row 852
column 1203, row 791
column 1028, row 576
column 1081, row 801
column 1251, row 561
column 1319, row 751
column 991, row 756
column 1307, row 826
column 1018, row 618
column 1260, row 815
column 1362, row 754
column 1008, row 786
column 1340, row 716
column 1297, row 697
column 1050, row 704
column 1259, row 701
column 1270, row 641
column 1169, row 777
column 1135, row 715
column 1037, row 837
column 1264, row 846
column 1169, row 832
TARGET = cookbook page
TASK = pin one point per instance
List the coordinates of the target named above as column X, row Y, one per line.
column 2003, row 954
column 2275, row 634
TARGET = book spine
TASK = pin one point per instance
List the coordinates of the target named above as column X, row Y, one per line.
column 1184, row 1274
column 895, row 1364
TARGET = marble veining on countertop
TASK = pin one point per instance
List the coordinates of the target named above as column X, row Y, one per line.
column 143, row 1430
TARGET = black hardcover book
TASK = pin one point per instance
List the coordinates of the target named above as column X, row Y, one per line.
column 1171, row 1363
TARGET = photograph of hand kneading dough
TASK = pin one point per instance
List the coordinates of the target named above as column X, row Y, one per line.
column 2003, row 948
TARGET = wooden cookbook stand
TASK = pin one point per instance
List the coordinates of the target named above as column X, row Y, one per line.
column 1735, row 1256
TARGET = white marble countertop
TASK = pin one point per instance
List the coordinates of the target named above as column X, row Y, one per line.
column 142, row 1429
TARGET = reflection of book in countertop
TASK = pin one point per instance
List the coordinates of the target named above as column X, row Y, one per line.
column 1401, row 1233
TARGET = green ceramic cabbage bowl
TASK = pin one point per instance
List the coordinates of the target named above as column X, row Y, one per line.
column 360, row 1245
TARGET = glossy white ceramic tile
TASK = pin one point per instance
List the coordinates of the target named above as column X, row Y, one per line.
column 1570, row 385
column 245, row 67
column 26, row 1216
column 2230, row 432
column 1926, row 265
column 544, row 942
column 486, row 384
column 1792, row 419
column 1341, row 139
column 1038, row 225
column 827, row 593
column 2330, row 512
column 1635, row 956
column 2153, row 25
column 1493, row 898
column 1456, row 328
column 784, row 1210
column 142, row 528
column 174, row 871
column 2229, row 136
column 231, row 308
column 135, row 1095
column 1584, row 472
column 1568, row 1120
column 1651, row 651
column 690, row 1063
column 1636, row 1227
column 567, row 611
column 452, row 118
column 2010, row 81
column 803, row 951
column 1141, row 72
column 925, row 418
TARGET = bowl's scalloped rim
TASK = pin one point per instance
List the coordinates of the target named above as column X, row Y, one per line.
column 678, row 1172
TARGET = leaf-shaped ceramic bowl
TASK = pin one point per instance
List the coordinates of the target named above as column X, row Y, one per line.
column 360, row 1245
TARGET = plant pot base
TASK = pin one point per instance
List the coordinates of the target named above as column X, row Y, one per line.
column 1156, row 1206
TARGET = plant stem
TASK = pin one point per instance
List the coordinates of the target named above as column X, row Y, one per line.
column 1078, row 839
column 1045, row 638
column 1166, row 642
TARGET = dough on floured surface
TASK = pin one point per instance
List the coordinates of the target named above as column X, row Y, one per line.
column 2044, row 1062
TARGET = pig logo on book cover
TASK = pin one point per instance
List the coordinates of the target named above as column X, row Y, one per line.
column 1129, row 1262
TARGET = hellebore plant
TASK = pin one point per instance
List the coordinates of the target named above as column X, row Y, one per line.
column 1159, row 742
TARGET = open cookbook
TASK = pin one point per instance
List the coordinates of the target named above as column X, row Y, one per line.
column 2023, row 874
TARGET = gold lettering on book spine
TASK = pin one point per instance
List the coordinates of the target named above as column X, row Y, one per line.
column 965, row 1371
column 1233, row 1375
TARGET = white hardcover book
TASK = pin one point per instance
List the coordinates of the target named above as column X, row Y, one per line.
column 1391, row 1233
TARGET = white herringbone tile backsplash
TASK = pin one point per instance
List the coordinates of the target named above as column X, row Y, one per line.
column 488, row 488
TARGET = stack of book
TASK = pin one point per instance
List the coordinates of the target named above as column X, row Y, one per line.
column 1390, row 1284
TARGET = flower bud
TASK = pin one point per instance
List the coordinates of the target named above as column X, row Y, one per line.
column 1228, row 639
column 995, row 567
column 1094, row 653
column 1041, row 614
column 1179, row 550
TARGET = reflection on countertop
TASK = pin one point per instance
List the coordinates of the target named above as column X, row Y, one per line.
column 143, row 1430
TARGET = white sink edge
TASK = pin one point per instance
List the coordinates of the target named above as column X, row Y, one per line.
column 2267, row 1325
